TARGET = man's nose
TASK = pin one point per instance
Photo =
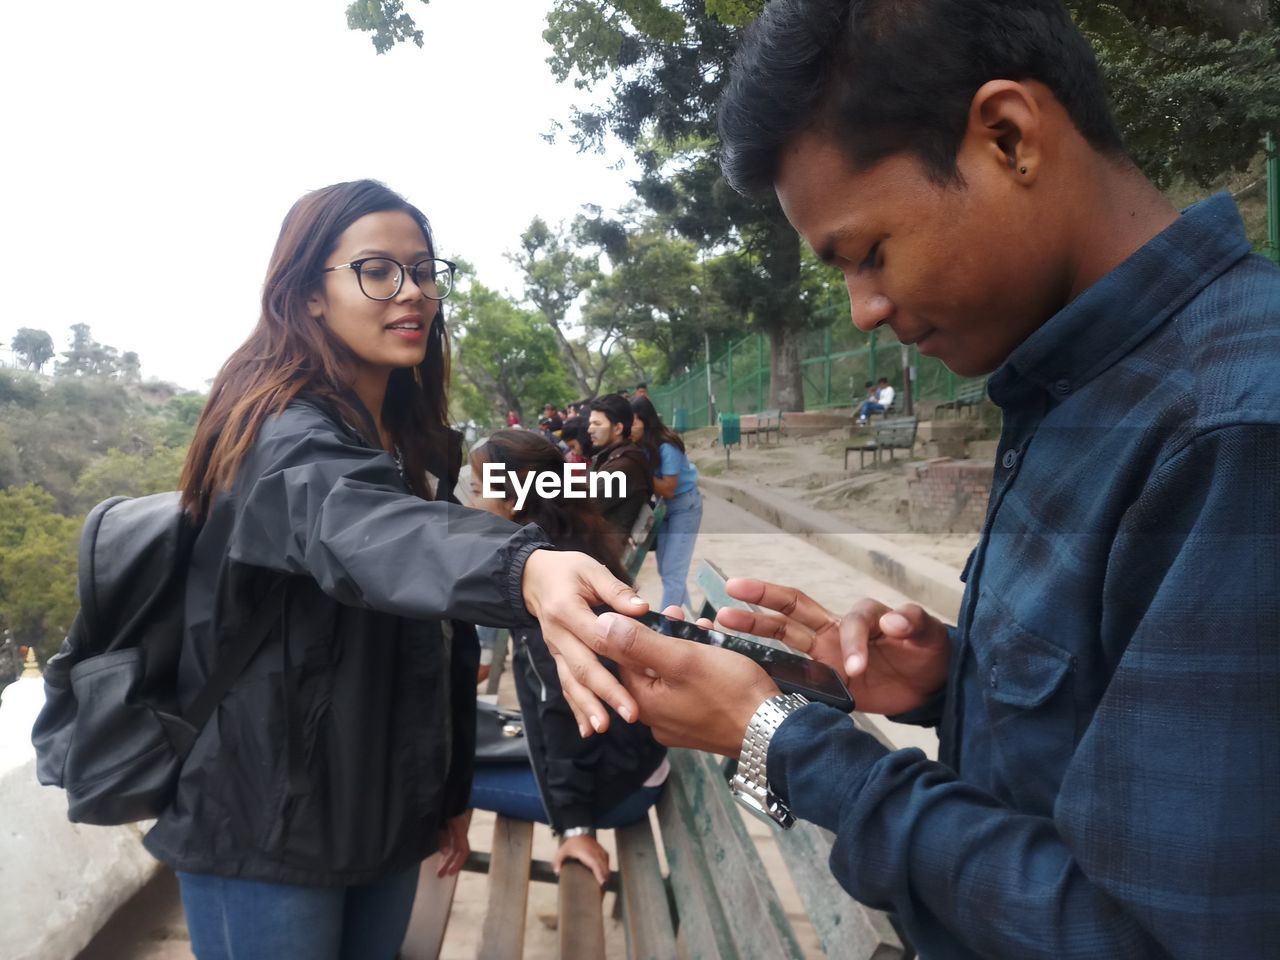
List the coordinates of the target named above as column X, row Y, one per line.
column 870, row 310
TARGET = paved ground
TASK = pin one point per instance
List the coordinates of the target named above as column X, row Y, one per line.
column 152, row 928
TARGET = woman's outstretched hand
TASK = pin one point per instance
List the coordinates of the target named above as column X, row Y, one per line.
column 560, row 588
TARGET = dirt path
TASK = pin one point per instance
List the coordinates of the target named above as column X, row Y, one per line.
column 810, row 470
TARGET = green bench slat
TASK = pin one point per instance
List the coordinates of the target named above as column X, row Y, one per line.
column 502, row 936
column 646, row 913
column 728, row 908
column 581, row 925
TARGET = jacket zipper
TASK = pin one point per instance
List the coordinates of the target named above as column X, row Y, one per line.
column 534, row 667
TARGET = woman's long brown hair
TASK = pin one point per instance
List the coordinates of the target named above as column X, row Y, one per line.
column 575, row 524
column 288, row 353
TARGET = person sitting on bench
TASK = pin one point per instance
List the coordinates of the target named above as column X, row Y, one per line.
column 576, row 785
column 882, row 402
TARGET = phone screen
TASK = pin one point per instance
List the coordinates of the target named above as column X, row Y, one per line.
column 791, row 672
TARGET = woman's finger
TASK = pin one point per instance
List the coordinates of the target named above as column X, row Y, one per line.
column 579, row 680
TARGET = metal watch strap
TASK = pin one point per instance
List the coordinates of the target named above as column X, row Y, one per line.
column 750, row 781
column 578, row 832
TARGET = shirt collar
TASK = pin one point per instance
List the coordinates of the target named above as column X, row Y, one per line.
column 1114, row 315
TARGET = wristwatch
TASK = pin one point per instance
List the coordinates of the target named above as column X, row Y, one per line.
column 749, row 780
column 578, row 832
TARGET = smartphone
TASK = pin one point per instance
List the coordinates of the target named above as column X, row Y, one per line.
column 790, row 671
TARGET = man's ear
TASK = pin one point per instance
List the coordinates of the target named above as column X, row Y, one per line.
column 1006, row 126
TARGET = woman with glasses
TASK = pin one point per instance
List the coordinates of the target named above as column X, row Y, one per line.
column 320, row 478
column 676, row 479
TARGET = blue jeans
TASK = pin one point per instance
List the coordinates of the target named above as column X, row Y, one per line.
column 869, row 407
column 512, row 790
column 675, row 546
column 234, row 919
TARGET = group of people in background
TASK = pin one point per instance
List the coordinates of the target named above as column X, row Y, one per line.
column 580, row 785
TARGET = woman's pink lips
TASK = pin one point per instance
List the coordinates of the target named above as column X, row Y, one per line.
column 408, row 333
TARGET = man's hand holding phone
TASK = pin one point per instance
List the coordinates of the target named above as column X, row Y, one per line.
column 690, row 694
column 892, row 660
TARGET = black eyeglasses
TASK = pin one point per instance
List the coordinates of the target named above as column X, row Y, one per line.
column 380, row 278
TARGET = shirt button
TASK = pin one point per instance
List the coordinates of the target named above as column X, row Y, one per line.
column 1010, row 459
column 1062, row 387
column 994, row 681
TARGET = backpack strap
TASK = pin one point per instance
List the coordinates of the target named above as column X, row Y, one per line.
column 235, row 657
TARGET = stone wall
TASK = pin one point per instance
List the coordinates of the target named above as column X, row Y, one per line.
column 59, row 881
column 949, row 496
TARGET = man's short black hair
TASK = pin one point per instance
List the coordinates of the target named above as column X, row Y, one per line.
column 642, row 386
column 615, row 409
column 882, row 380
column 896, row 76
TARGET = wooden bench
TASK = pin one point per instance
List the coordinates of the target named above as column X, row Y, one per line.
column 715, row 899
column 644, row 533
column 760, row 425
column 968, row 394
column 898, row 434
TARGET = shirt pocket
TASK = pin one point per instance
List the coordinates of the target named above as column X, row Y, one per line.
column 1027, row 687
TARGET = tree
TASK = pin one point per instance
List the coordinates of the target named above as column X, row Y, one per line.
column 38, row 558
column 506, row 353
column 130, row 367
column 668, row 65
column 386, row 21
column 554, row 277
column 86, row 357
column 33, row 347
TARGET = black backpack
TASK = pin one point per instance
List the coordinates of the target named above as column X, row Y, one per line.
column 111, row 733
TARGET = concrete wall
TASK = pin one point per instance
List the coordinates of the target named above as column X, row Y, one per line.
column 59, row 881
column 929, row 582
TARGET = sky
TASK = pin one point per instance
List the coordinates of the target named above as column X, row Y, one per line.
column 151, row 150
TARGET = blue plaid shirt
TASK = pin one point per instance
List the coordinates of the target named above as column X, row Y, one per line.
column 1108, row 782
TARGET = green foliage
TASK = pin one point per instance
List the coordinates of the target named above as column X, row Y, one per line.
column 121, row 474
column 53, row 431
column 386, row 20
column 1195, row 84
column 33, row 347
column 555, row 275
column 86, row 357
column 735, row 13
column 506, row 354
column 37, row 568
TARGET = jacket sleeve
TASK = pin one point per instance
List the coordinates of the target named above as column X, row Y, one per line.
column 313, row 500
column 570, row 759
column 1162, row 838
column 463, row 666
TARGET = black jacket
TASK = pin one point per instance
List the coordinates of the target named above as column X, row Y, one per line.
column 627, row 458
column 578, row 778
column 349, row 738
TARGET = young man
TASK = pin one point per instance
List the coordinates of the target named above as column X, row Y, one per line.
column 1108, row 783
column 609, row 426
